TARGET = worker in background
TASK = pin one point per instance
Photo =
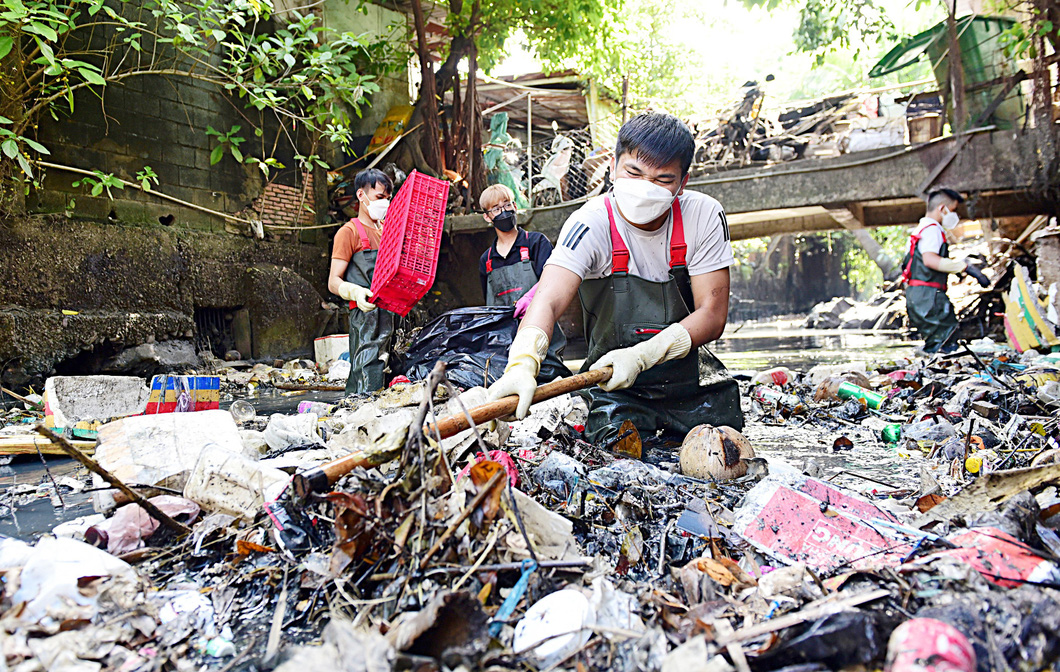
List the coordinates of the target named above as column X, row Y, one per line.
column 650, row 263
column 512, row 265
column 925, row 272
column 352, row 264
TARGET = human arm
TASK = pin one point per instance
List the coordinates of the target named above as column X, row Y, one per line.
column 710, row 291
column 555, row 292
column 939, row 263
column 337, row 273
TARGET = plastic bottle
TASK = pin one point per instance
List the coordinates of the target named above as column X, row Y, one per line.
column 778, row 375
column 851, row 391
column 892, row 432
column 232, row 483
column 242, row 411
column 767, row 396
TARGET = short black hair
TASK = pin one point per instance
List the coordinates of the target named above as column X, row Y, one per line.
column 937, row 196
column 367, row 179
column 657, row 138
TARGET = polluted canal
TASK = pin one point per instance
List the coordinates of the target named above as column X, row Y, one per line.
column 878, row 509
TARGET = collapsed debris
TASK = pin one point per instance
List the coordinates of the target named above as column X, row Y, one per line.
column 523, row 545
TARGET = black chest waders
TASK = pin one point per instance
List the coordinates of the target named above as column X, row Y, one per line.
column 370, row 333
column 622, row 310
column 929, row 309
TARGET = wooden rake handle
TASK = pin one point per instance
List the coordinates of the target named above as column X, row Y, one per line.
column 319, row 478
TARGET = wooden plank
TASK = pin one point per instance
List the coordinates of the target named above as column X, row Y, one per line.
column 1019, row 332
column 1034, row 309
column 26, row 444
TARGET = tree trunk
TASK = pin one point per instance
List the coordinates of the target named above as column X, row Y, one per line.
column 476, row 166
column 454, row 148
column 428, row 95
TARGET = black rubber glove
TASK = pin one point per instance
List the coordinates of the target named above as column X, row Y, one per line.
column 974, row 271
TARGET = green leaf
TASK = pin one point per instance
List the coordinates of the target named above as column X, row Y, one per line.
column 97, row 188
column 216, row 154
column 6, row 42
column 36, row 146
column 91, row 77
column 26, row 168
column 46, row 51
column 42, row 30
column 5, row 120
column 10, row 148
column 237, row 154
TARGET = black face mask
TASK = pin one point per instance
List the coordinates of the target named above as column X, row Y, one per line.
column 505, row 221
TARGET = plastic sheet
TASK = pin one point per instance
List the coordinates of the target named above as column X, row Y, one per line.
column 474, row 343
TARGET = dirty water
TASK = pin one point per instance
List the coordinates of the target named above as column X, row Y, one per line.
column 761, row 345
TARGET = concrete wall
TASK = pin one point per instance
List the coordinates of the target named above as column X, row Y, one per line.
column 369, row 18
column 130, row 285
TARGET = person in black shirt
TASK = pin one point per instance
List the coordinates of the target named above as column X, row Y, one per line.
column 510, row 268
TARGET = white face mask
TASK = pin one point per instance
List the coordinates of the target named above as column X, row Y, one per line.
column 950, row 220
column 641, row 201
column 377, row 209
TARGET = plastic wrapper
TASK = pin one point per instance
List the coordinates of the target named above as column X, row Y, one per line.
column 284, row 431
column 130, row 525
column 473, row 342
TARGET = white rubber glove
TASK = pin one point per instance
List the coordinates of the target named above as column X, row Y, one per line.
column 951, row 265
column 524, row 362
column 673, row 342
column 358, row 295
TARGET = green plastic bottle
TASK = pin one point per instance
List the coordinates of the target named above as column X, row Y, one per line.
column 852, row 391
column 892, row 432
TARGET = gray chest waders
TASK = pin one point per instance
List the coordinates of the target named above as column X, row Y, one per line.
column 622, row 310
column 370, row 333
column 507, row 284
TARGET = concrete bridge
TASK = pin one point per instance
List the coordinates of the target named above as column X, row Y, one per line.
column 853, row 191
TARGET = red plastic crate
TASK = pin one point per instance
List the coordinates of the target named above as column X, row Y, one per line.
column 412, row 236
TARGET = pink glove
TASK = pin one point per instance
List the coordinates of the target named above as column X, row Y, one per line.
column 523, row 304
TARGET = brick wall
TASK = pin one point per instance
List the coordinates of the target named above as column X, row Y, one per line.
column 283, row 205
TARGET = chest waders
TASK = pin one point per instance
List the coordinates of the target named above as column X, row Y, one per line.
column 622, row 310
column 370, row 333
column 929, row 309
column 507, row 284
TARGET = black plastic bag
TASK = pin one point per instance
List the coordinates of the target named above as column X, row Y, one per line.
column 474, row 343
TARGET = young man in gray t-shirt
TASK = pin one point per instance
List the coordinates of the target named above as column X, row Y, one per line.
column 651, row 265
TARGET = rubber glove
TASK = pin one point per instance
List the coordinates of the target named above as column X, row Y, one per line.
column 524, row 362
column 358, row 295
column 978, row 274
column 673, row 342
column 951, row 265
column 524, row 303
